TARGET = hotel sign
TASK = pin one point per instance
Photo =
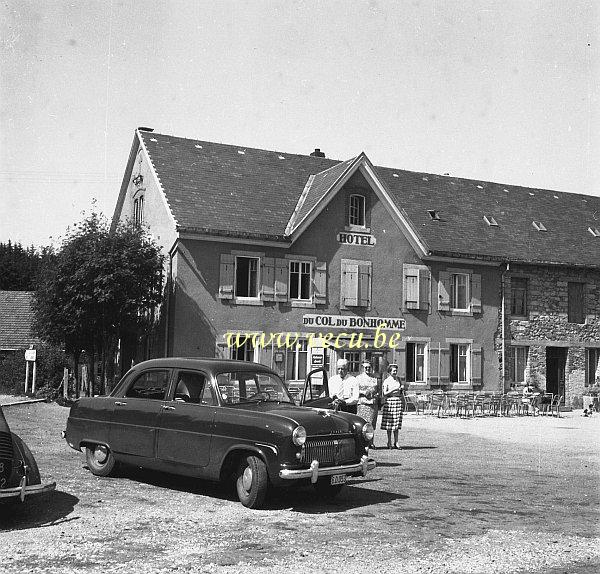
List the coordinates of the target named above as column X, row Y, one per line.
column 348, row 322
column 347, row 238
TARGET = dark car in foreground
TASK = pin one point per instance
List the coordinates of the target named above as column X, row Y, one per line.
column 220, row 420
column 19, row 473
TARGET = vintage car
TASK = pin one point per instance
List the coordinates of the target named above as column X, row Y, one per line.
column 19, row 473
column 221, row 420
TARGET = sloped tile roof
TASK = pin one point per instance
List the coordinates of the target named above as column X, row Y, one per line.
column 16, row 317
column 216, row 188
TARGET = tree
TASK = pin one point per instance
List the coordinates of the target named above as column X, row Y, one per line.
column 19, row 267
column 97, row 288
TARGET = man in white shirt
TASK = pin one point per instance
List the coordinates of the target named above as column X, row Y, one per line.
column 343, row 388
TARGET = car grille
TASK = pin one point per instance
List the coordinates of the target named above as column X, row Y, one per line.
column 329, row 451
column 6, row 446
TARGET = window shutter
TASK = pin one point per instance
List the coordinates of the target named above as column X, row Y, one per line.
column 226, row 276
column 268, row 278
column 281, row 279
column 475, row 293
column 320, row 283
column 424, row 289
column 444, row 291
column 444, row 365
column 401, row 360
column 434, row 363
column 410, row 291
column 349, row 285
column 364, row 285
column 476, row 366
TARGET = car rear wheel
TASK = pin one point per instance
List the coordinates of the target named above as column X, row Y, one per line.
column 326, row 490
column 252, row 481
column 100, row 459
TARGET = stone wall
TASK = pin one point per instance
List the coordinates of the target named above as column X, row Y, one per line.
column 547, row 323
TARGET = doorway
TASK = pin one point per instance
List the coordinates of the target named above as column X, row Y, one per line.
column 556, row 362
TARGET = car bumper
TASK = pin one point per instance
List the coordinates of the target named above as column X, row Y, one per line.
column 314, row 472
column 26, row 490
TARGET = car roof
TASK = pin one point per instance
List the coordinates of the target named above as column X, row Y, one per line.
column 204, row 363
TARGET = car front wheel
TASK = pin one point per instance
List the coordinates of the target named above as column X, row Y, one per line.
column 252, row 481
column 100, row 460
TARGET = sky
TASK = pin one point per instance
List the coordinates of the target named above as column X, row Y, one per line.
column 505, row 91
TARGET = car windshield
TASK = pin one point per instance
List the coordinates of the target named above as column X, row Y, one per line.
column 238, row 387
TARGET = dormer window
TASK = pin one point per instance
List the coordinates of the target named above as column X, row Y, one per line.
column 594, row 231
column 138, row 210
column 357, row 211
column 490, row 221
column 435, row 216
column 539, row 226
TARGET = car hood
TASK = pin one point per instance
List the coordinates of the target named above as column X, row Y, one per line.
column 316, row 421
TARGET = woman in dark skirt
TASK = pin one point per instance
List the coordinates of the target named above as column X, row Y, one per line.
column 391, row 418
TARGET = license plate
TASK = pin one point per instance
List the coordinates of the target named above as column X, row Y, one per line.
column 338, row 479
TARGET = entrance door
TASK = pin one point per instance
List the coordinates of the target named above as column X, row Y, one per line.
column 556, row 361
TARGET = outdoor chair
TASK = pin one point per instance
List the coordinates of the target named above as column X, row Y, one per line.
column 436, row 403
column 555, row 406
column 479, row 404
column 450, row 404
column 545, row 404
column 495, row 405
column 514, row 405
column 464, row 405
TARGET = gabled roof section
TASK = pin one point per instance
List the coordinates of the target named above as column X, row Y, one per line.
column 316, row 189
column 16, row 318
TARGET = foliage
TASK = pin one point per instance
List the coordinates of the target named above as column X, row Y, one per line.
column 19, row 267
column 99, row 285
column 49, row 371
column 593, row 391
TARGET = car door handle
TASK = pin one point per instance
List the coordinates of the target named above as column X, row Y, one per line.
column 168, row 408
column 119, row 403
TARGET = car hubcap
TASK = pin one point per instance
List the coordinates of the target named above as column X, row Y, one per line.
column 101, row 454
column 247, row 478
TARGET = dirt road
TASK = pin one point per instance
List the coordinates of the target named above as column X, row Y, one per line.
column 482, row 495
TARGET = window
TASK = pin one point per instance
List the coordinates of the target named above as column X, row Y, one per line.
column 576, row 307
column 459, row 363
column 355, row 283
column 415, row 362
column 459, row 291
column 518, row 296
column 300, row 280
column 296, row 361
column 353, row 358
column 357, row 211
column 138, row 210
column 242, row 387
column 592, row 364
column 417, row 287
column 246, row 277
column 245, row 352
column 192, row 388
column 459, row 297
column 518, row 363
column 149, row 385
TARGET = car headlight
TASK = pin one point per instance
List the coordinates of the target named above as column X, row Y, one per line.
column 299, row 436
column 368, row 432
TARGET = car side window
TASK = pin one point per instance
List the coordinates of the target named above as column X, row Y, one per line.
column 150, row 385
column 193, row 387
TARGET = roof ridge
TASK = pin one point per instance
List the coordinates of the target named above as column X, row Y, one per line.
column 237, row 146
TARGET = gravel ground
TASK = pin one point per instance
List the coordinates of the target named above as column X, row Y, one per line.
column 484, row 495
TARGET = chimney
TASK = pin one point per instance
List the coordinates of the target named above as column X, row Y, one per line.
column 317, row 153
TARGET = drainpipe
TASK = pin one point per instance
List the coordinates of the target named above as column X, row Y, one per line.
column 503, row 287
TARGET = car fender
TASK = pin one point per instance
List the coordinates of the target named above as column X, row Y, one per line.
column 267, row 452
